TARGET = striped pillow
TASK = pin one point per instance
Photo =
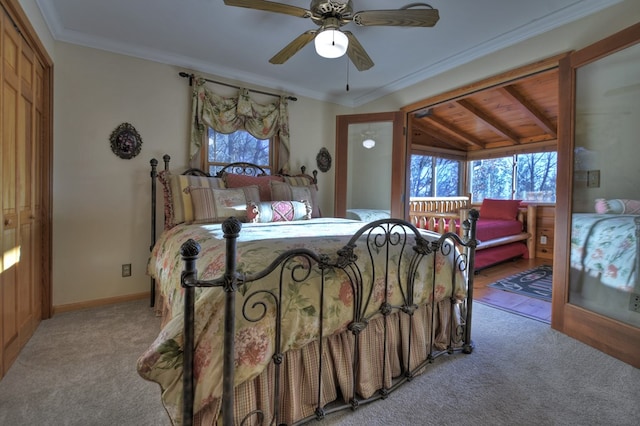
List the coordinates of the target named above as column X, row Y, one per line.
column 215, row 205
column 180, row 208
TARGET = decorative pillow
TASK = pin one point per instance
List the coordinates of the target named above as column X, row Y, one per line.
column 278, row 211
column 178, row 204
column 233, row 180
column 617, row 206
column 281, row 191
column 215, row 205
column 499, row 209
column 300, row 180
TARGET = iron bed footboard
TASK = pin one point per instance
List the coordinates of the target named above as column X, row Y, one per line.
column 296, row 265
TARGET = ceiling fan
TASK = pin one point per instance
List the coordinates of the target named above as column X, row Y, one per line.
column 331, row 15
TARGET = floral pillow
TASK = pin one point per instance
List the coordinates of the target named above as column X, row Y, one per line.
column 278, row 211
column 617, row 206
column 281, row 191
column 215, row 205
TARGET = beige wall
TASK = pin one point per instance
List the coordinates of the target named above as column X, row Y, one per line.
column 101, row 203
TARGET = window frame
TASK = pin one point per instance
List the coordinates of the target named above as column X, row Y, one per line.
column 514, row 170
column 441, row 153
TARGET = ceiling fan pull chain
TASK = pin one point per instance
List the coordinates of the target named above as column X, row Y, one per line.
column 347, row 75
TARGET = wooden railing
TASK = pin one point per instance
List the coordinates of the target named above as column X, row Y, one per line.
column 438, row 214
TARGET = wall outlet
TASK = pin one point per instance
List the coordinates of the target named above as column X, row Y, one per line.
column 634, row 302
column 126, row 270
column 543, row 239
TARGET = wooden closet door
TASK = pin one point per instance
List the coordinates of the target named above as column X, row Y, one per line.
column 10, row 219
column 21, row 99
column 28, row 313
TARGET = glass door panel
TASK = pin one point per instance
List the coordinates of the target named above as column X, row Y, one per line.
column 606, row 197
column 597, row 240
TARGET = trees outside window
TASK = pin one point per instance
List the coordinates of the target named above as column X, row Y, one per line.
column 434, row 176
column 527, row 177
column 237, row 146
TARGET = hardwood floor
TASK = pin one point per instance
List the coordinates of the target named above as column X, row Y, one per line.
column 527, row 306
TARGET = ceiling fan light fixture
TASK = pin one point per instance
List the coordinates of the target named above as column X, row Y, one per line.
column 331, row 43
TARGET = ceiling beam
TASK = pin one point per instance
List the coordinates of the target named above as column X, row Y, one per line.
column 528, row 108
column 449, row 129
column 496, row 127
column 420, row 126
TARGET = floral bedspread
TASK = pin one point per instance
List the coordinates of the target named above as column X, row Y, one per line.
column 604, row 245
column 258, row 244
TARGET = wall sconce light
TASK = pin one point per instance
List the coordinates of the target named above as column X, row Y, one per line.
column 331, row 43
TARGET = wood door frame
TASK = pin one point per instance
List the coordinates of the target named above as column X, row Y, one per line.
column 605, row 334
column 18, row 16
column 398, row 160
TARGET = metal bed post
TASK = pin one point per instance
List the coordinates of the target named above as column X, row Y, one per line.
column 189, row 280
column 470, row 249
column 154, row 174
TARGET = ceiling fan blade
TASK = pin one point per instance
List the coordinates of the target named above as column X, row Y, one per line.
column 357, row 54
column 292, row 48
column 397, row 18
column 270, row 6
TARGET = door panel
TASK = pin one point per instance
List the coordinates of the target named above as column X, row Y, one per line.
column 597, row 159
column 372, row 178
column 24, row 244
column 10, row 96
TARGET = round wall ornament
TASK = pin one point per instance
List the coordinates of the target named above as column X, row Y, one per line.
column 126, row 142
column 323, row 159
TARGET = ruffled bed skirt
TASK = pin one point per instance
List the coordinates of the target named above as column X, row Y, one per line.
column 300, row 366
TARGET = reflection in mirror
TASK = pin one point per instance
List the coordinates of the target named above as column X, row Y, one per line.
column 605, row 228
column 369, row 170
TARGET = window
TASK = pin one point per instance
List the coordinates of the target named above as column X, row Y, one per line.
column 240, row 145
column 435, row 176
column 528, row 177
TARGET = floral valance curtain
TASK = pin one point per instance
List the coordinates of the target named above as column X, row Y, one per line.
column 228, row 114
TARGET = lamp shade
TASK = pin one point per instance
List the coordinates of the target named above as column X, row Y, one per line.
column 331, row 43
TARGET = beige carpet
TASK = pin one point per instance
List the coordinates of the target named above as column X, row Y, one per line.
column 79, row 369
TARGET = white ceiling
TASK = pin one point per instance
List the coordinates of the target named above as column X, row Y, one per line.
column 236, row 43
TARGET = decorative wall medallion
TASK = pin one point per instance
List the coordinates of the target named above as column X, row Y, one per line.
column 125, row 141
column 323, row 159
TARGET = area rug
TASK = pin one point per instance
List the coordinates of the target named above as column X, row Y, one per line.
column 534, row 282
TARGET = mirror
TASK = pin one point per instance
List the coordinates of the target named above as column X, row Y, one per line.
column 374, row 178
column 369, row 167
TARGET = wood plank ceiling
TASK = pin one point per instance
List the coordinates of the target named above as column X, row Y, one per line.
column 520, row 112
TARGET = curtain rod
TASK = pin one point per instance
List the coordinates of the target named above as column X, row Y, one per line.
column 191, row 76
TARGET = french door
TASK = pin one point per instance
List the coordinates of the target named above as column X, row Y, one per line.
column 597, row 160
